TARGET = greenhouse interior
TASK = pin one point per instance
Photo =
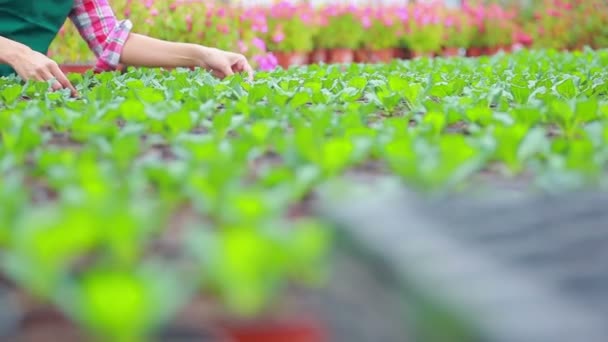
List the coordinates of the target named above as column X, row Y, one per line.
column 303, row 171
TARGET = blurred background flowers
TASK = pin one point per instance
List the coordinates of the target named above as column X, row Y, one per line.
column 285, row 33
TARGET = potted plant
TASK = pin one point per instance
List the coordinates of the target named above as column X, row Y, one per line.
column 459, row 32
column 498, row 28
column 424, row 34
column 221, row 29
column 381, row 35
column 475, row 13
column 289, row 35
column 319, row 52
column 247, row 268
column 600, row 39
column 549, row 26
column 340, row 33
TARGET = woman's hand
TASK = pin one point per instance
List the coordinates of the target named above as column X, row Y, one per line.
column 223, row 63
column 32, row 65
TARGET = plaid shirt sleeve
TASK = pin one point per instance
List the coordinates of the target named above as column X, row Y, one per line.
column 99, row 27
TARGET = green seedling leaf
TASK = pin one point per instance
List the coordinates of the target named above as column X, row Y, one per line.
column 567, row 88
column 11, row 93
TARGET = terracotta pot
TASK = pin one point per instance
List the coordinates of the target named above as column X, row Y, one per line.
column 381, row 56
column 362, row 56
column 193, row 333
column 400, row 53
column 578, row 47
column 288, row 59
column 341, row 56
column 318, row 56
column 474, row 51
column 491, row 50
column 507, row 48
column 451, row 52
column 294, row 330
column 78, row 68
column 75, row 68
column 419, row 54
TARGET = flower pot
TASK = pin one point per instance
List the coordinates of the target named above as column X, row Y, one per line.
column 451, row 52
column 288, row 320
column 341, row 56
column 82, row 68
column 75, row 68
column 474, row 51
column 491, row 50
column 202, row 332
column 318, row 56
column 288, row 59
column 361, row 56
column 421, row 54
column 381, row 56
column 577, row 47
column 400, row 53
column 284, row 330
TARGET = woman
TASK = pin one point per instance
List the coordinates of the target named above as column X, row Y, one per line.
column 27, row 28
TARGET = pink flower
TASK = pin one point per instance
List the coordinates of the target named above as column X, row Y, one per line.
column 425, row 20
column 223, row 28
column 402, row 14
column 523, row 38
column 278, row 37
column 259, row 43
column 306, row 17
column 387, row 21
column 366, row 22
column 154, row 12
column 266, row 62
column 242, row 47
column 189, row 22
column 259, row 23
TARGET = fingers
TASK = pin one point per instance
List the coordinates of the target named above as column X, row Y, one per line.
column 38, row 67
column 242, row 65
column 59, row 80
column 63, row 80
column 45, row 75
column 227, row 71
column 248, row 69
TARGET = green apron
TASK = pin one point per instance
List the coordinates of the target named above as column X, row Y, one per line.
column 34, row 23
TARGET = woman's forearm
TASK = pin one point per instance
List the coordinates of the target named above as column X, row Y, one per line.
column 144, row 51
column 10, row 50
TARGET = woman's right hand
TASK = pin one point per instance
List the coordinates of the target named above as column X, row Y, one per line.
column 32, row 65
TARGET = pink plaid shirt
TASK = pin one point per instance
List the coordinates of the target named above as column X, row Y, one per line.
column 104, row 34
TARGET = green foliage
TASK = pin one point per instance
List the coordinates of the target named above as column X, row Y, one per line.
column 95, row 192
column 343, row 30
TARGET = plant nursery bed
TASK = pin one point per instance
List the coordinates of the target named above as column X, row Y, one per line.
column 157, row 188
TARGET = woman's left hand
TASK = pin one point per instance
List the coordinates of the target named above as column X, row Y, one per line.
column 223, row 63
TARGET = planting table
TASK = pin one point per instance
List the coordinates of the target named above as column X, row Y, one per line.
column 504, row 269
